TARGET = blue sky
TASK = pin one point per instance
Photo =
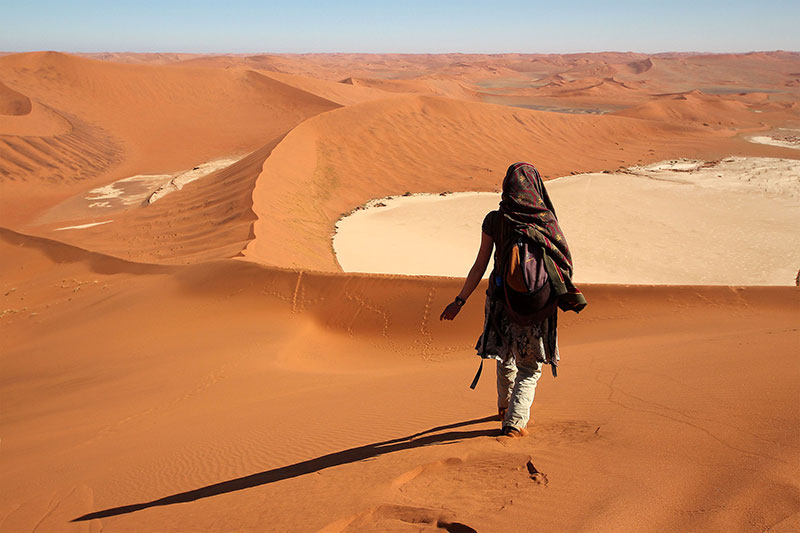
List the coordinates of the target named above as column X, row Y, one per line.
column 238, row 26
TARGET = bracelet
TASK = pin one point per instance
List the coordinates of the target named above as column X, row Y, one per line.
column 460, row 301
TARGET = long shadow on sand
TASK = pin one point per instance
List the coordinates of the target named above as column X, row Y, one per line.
column 352, row 455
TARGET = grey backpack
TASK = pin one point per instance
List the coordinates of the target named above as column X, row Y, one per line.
column 527, row 294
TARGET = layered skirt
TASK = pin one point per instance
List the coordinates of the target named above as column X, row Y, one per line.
column 503, row 339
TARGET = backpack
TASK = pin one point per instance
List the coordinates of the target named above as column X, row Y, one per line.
column 527, row 293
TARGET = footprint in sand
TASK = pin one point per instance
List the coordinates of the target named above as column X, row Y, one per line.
column 384, row 517
column 540, row 478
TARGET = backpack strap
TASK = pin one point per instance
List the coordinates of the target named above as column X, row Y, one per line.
column 477, row 376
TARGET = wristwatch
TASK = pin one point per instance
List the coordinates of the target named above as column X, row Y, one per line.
column 460, row 301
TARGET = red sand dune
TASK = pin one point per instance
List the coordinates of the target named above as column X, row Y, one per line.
column 119, row 123
column 226, row 385
column 341, row 93
column 697, row 108
column 210, row 219
column 132, row 119
column 432, row 86
column 327, row 166
column 592, row 89
column 153, row 379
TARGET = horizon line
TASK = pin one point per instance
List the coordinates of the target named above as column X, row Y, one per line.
column 690, row 52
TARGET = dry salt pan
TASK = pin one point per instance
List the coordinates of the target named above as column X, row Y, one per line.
column 784, row 141
column 82, row 226
column 147, row 188
column 688, row 222
column 177, row 182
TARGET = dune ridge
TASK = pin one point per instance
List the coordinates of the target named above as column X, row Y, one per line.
column 207, row 219
column 326, row 173
column 392, row 311
column 117, row 110
column 12, row 102
column 81, row 155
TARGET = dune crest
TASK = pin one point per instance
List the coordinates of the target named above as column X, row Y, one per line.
column 12, row 102
column 167, row 231
column 129, row 119
column 80, row 155
column 327, row 166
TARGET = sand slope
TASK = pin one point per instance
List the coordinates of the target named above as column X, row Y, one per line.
column 341, row 93
column 710, row 111
column 207, row 372
column 132, row 119
column 210, row 218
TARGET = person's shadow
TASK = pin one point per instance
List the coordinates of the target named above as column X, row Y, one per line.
column 423, row 438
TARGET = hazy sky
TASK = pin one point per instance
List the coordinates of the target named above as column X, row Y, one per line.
column 239, row 26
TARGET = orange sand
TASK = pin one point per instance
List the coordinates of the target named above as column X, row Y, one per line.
column 201, row 363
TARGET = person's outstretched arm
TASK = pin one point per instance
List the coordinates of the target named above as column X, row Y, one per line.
column 473, row 278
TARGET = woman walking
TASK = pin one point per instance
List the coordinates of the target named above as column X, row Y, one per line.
column 521, row 343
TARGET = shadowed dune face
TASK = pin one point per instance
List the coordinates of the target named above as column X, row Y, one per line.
column 208, row 219
column 12, row 102
column 132, row 119
column 74, row 158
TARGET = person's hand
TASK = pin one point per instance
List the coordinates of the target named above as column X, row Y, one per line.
column 450, row 311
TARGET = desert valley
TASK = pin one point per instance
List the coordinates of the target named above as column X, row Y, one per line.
column 214, row 318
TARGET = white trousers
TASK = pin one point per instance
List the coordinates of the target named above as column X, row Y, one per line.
column 516, row 387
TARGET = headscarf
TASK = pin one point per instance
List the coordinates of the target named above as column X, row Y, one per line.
column 527, row 210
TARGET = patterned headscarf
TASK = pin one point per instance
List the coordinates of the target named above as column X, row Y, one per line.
column 527, row 209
